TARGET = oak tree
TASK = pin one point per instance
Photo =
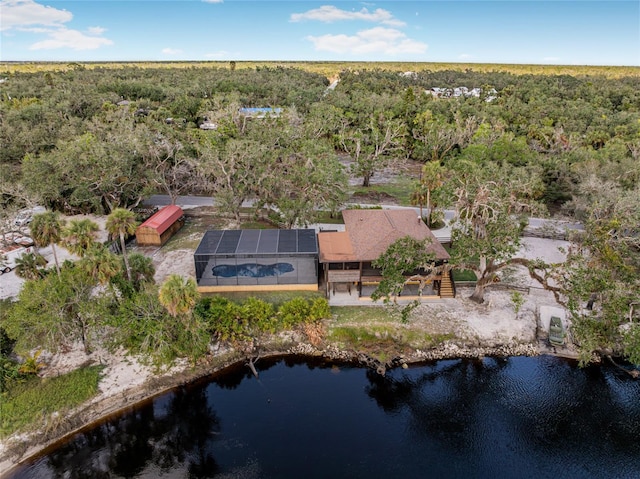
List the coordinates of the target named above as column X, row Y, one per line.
column 491, row 204
column 372, row 146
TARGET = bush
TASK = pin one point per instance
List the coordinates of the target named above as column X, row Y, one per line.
column 260, row 315
column 233, row 322
column 9, row 372
column 294, row 311
column 210, row 309
column 319, row 309
column 138, row 324
column 224, row 319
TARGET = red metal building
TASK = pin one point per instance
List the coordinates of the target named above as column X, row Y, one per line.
column 157, row 230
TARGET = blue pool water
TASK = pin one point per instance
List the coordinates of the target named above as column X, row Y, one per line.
column 251, row 270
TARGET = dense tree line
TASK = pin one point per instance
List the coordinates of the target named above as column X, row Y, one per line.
column 95, row 139
column 98, row 140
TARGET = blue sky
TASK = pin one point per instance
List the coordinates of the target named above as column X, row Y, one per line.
column 566, row 32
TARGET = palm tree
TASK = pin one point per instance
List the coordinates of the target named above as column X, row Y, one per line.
column 178, row 295
column 122, row 222
column 433, row 177
column 100, row 263
column 142, row 270
column 29, row 266
column 80, row 235
column 45, row 230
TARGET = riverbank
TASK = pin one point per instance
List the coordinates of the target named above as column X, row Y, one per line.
column 451, row 328
column 456, row 328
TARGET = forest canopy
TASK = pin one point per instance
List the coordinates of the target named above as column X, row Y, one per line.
column 506, row 142
column 59, row 126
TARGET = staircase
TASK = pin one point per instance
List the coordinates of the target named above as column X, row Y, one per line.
column 447, row 288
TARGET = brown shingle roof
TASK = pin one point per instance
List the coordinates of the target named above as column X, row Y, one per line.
column 370, row 232
column 335, row 246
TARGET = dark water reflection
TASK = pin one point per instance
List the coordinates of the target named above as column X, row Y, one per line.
column 509, row 418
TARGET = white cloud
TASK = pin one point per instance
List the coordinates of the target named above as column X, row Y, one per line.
column 171, row 51
column 64, row 38
column 551, row 59
column 387, row 41
column 31, row 17
column 329, row 13
column 33, row 29
column 218, row 54
column 96, row 30
column 212, row 1
column 464, row 56
column 20, row 13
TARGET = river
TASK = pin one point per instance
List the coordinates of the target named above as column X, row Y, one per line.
column 518, row 417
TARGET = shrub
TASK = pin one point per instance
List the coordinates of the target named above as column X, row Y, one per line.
column 9, row 372
column 224, row 319
column 229, row 321
column 210, row 308
column 294, row 311
column 260, row 315
column 319, row 309
column 31, row 365
column 142, row 326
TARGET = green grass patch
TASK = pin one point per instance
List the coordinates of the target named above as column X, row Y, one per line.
column 421, row 340
column 378, row 332
column 368, row 336
column 384, row 342
column 399, row 190
column 361, row 314
column 31, row 403
column 359, row 335
column 330, row 218
column 463, row 275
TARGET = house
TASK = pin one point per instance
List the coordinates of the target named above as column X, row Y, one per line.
column 12, row 246
column 261, row 112
column 462, row 91
column 257, row 260
column 346, row 256
column 208, row 125
column 161, row 226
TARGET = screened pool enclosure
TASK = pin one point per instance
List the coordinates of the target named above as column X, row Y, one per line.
column 236, row 260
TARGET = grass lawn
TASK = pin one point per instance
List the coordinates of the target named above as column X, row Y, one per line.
column 360, row 314
column 33, row 402
column 398, row 190
column 463, row 275
column 328, row 217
